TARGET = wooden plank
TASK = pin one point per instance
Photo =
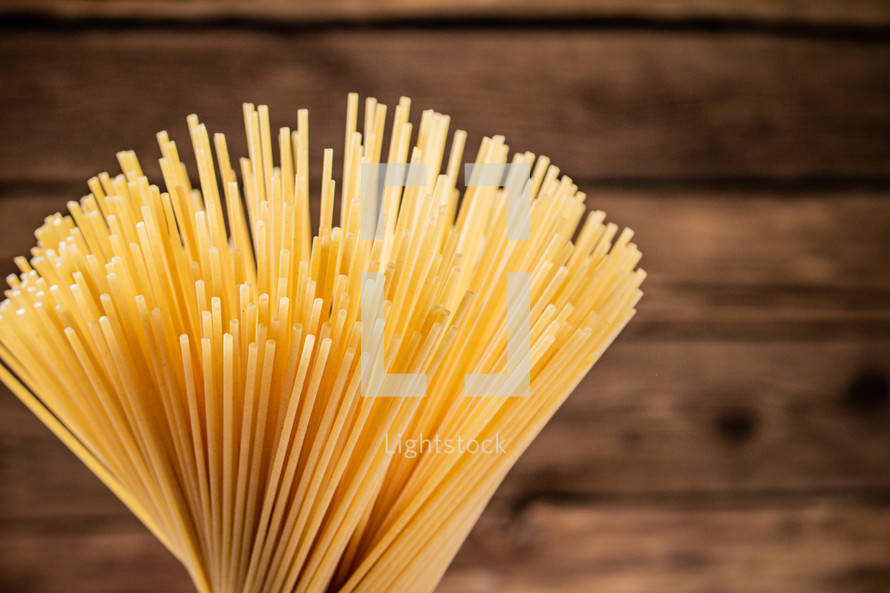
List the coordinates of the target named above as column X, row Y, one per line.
column 718, row 416
column 815, row 546
column 608, row 105
column 720, row 263
column 40, row 478
column 858, row 12
column 86, row 558
column 811, row 548
column 654, row 418
column 758, row 264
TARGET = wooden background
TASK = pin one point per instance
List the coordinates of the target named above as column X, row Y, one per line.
column 736, row 438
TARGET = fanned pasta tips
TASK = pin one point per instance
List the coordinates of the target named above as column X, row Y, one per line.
column 315, row 413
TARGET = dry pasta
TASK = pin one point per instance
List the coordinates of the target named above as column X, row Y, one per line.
column 229, row 375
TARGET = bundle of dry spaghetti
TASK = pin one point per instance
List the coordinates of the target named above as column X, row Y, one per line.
column 289, row 412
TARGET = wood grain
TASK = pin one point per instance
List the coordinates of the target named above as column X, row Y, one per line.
column 605, row 106
column 818, row 546
column 856, row 12
column 86, row 557
column 723, row 417
column 814, row 547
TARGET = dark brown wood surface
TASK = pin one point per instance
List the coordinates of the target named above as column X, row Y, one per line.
column 736, row 438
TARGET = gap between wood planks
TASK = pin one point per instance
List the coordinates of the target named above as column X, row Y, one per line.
column 786, row 15
column 789, row 27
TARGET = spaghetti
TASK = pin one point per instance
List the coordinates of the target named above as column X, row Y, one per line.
column 213, row 361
